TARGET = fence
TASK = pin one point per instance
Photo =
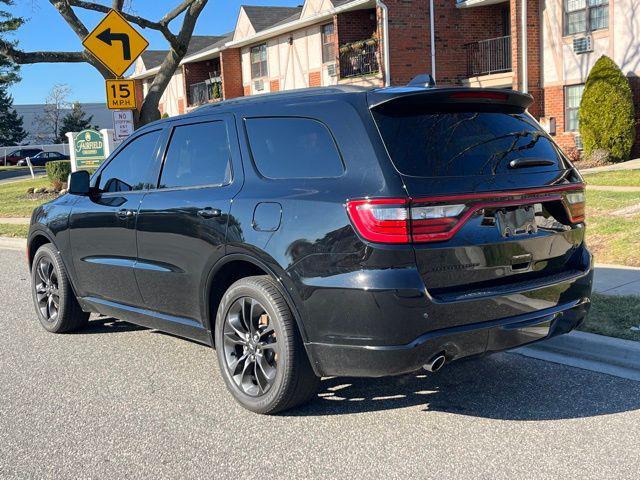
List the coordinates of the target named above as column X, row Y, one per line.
column 359, row 61
column 489, row 56
column 55, row 147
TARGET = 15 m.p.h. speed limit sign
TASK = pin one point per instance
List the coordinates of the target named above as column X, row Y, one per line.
column 121, row 94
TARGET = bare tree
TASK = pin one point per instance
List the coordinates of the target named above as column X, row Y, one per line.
column 178, row 43
column 56, row 105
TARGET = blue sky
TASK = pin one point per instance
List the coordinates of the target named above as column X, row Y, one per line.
column 45, row 30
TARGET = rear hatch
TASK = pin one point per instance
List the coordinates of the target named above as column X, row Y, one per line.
column 495, row 208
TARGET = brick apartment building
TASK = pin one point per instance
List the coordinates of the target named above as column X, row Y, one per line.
column 481, row 43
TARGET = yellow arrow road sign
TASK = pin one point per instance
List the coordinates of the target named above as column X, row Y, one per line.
column 115, row 43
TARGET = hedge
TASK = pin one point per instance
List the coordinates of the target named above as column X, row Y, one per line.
column 58, row 171
column 607, row 117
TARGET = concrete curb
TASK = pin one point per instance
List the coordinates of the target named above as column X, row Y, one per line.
column 613, row 356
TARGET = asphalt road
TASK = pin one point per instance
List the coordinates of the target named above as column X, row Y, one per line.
column 118, row 401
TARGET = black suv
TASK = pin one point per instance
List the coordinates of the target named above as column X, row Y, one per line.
column 325, row 232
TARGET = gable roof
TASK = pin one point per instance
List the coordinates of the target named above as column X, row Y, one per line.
column 154, row 58
column 264, row 17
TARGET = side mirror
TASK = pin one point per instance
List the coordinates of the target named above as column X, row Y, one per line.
column 78, row 183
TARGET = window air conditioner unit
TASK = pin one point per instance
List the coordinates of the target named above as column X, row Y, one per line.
column 583, row 44
column 331, row 70
column 258, row 85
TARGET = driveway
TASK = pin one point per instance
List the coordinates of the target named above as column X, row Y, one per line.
column 120, row 401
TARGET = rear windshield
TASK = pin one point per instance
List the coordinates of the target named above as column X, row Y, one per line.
column 461, row 143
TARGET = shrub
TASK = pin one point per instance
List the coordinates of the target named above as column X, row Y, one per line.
column 574, row 154
column 58, row 172
column 606, row 112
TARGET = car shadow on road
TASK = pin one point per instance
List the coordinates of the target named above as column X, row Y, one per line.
column 108, row 325
column 503, row 386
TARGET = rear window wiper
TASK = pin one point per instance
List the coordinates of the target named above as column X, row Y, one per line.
column 530, row 162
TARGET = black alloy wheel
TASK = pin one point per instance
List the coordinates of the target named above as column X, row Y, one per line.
column 250, row 347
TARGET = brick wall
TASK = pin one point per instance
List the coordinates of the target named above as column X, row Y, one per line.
column 315, row 79
column 231, row 72
column 139, row 93
column 534, row 48
column 274, row 85
column 409, row 42
column 198, row 72
column 355, row 25
column 554, row 107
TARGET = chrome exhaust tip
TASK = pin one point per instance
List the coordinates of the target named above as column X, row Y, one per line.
column 436, row 363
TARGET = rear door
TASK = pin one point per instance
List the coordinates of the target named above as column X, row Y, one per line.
column 182, row 223
column 496, row 208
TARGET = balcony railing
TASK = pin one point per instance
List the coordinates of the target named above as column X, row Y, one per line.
column 489, row 56
column 205, row 92
column 359, row 58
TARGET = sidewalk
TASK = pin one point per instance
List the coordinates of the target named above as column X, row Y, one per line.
column 616, row 280
column 15, row 220
column 630, row 165
column 612, row 188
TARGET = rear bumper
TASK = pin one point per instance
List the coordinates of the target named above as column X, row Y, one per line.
column 456, row 342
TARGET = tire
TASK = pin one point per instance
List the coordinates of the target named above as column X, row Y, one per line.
column 49, row 280
column 275, row 374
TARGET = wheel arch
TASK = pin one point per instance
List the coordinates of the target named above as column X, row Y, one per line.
column 233, row 267
column 36, row 239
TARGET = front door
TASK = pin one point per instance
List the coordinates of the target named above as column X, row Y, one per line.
column 182, row 224
column 102, row 225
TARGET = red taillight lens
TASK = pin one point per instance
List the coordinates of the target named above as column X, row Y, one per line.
column 404, row 220
column 480, row 95
column 382, row 220
column 395, row 220
column 575, row 202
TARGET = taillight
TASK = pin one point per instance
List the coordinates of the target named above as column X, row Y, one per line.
column 405, row 220
column 575, row 202
column 383, row 220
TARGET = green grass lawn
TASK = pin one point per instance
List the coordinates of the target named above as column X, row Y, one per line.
column 14, row 201
column 622, row 178
column 613, row 316
column 10, row 230
column 612, row 236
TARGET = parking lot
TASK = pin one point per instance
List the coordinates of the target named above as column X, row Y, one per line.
column 120, row 401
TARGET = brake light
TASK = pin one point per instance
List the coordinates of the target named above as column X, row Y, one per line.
column 405, row 220
column 479, row 95
column 383, row 220
column 575, row 202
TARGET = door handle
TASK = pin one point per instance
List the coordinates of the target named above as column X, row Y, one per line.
column 209, row 212
column 124, row 213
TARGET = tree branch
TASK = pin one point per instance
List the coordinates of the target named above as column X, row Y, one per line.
column 23, row 58
column 117, row 5
column 70, row 17
column 141, row 22
column 175, row 12
column 149, row 110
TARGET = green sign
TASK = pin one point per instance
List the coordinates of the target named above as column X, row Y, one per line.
column 89, row 148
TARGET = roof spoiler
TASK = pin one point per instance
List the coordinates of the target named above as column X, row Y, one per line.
column 413, row 96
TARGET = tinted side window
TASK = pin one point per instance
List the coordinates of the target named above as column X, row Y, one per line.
column 287, row 147
column 198, row 155
column 128, row 171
